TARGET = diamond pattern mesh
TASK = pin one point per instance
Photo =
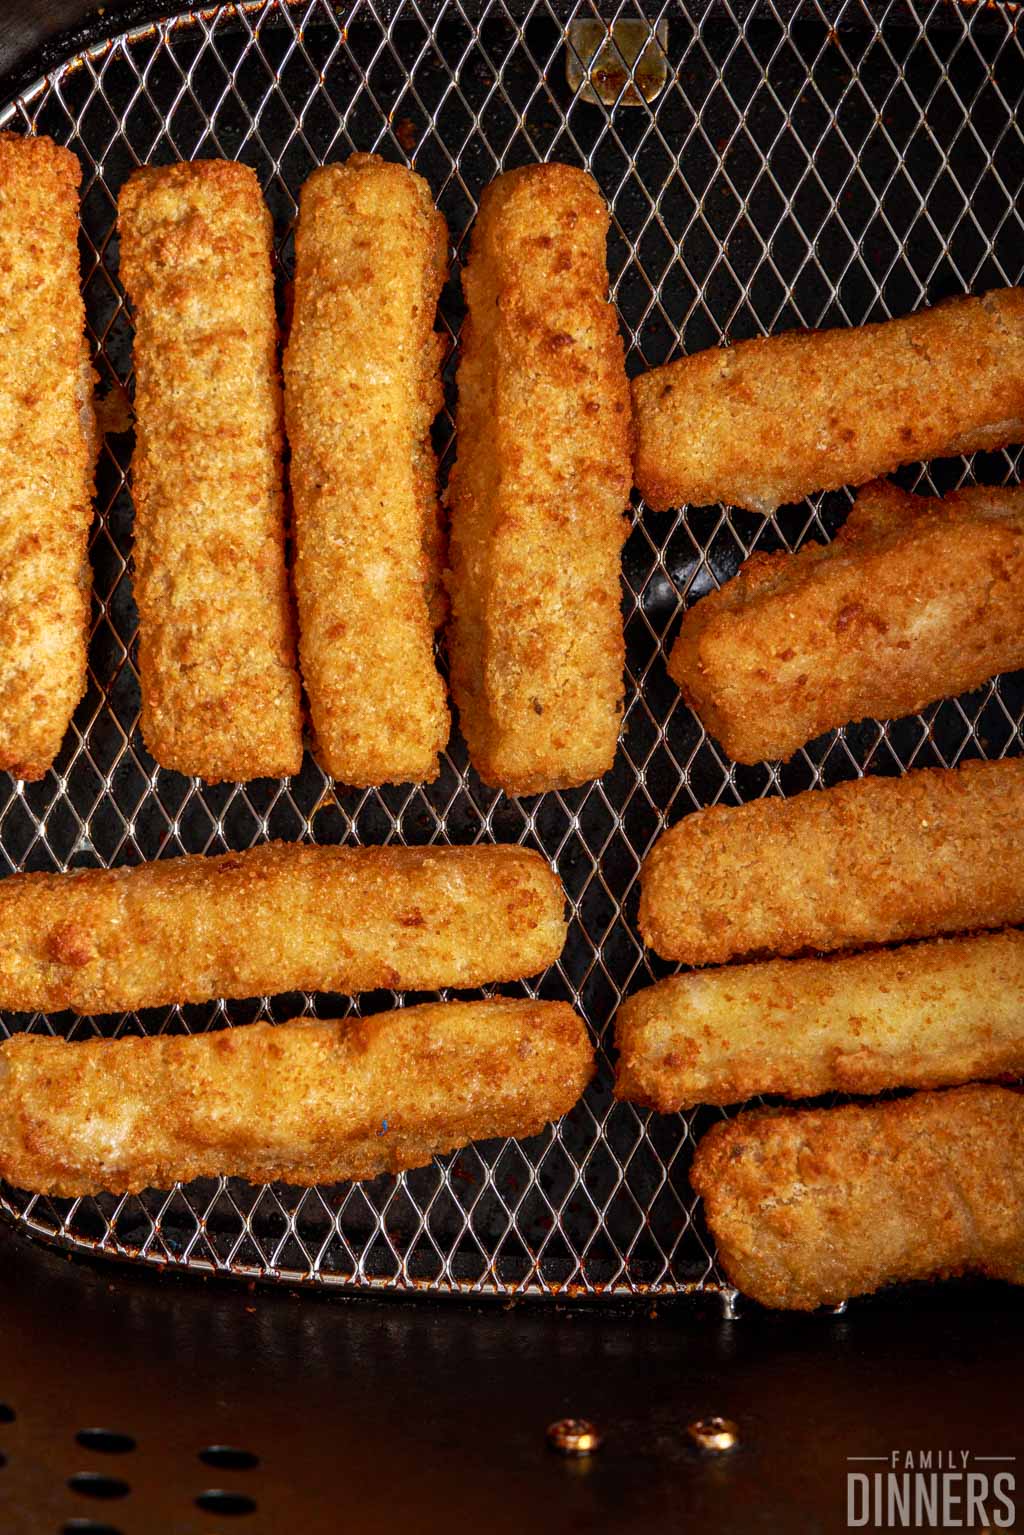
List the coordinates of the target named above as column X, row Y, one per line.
column 805, row 164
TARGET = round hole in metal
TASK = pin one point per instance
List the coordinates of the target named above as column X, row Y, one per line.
column 3, row 1461
column 87, row 1527
column 92, row 1484
column 7, row 1414
column 107, row 1440
column 228, row 1457
column 217, row 1501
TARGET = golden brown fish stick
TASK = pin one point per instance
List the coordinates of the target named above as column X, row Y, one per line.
column 362, row 386
column 810, row 1207
column 924, row 1015
column 47, row 443
column 768, row 421
column 220, row 693
column 538, row 492
column 873, row 861
column 914, row 600
column 281, row 917
column 306, row 1102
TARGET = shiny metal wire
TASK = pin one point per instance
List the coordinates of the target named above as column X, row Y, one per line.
column 807, row 163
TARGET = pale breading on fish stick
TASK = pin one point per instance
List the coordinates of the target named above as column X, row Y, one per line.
column 922, row 1015
column 915, row 599
column 220, row 693
column 809, row 1207
column 362, row 386
column 304, row 1102
column 47, row 451
column 768, row 421
column 539, row 488
column 281, row 917
column 873, row 861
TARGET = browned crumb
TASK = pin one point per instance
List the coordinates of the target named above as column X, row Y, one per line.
column 811, row 1206
column 220, row 693
column 281, row 917
column 873, row 861
column 304, row 1102
column 47, row 452
column 916, row 599
column 362, row 386
column 768, row 421
column 921, row 1015
column 538, row 492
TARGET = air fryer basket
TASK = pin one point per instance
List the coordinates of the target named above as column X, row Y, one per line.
column 804, row 163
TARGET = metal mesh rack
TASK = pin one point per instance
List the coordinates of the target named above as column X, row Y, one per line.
column 805, row 163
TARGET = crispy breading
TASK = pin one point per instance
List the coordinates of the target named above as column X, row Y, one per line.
column 922, row 1015
column 916, row 599
column 305, row 1102
column 47, row 452
column 220, row 693
column 280, row 917
column 537, row 494
column 362, row 386
column 811, row 1206
column 767, row 421
column 873, row 861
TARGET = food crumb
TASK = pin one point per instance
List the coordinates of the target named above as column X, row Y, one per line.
column 407, row 134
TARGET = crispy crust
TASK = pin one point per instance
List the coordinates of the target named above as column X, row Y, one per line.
column 281, row 917
column 47, row 452
column 811, row 1207
column 362, row 386
column 767, row 421
column 873, row 861
column 305, row 1102
column 916, row 599
column 537, row 494
column 220, row 693
column 925, row 1015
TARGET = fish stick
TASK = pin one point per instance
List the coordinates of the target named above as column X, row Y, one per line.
column 280, row 917
column 811, row 1206
column 924, row 1015
column 305, row 1102
column 362, row 386
column 873, row 861
column 47, row 453
column 915, row 599
column 768, row 421
column 538, row 492
column 220, row 693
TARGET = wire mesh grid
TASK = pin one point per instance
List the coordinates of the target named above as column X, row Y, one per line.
column 805, row 163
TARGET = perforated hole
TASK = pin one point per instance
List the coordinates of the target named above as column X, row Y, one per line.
column 7, row 1414
column 228, row 1457
column 92, row 1484
column 217, row 1501
column 106, row 1441
column 87, row 1527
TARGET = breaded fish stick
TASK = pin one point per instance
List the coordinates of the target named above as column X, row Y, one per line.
column 914, row 600
column 924, row 1015
column 873, row 861
column 768, row 421
column 220, row 693
column 305, row 1102
column 281, row 917
column 362, row 386
column 538, row 492
column 47, row 449
column 810, row 1207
